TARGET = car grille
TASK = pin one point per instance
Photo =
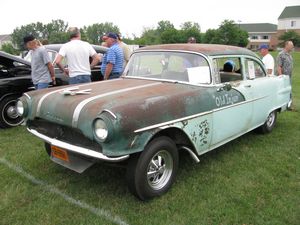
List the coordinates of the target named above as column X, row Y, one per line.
column 63, row 133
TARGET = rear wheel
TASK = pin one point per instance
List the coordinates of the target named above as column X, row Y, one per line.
column 153, row 172
column 268, row 126
column 9, row 116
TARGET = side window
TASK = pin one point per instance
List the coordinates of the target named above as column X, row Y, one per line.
column 253, row 69
column 229, row 69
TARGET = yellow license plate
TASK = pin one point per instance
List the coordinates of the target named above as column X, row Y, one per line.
column 59, row 153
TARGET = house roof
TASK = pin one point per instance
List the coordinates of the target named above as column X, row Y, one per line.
column 258, row 27
column 290, row 12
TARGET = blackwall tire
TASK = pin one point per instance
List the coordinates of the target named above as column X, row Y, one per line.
column 269, row 125
column 153, row 172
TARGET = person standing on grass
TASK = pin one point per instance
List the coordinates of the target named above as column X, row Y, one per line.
column 113, row 59
column 267, row 59
column 285, row 63
column 285, row 60
column 78, row 55
column 42, row 70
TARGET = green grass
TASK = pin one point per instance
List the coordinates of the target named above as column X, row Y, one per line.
column 251, row 180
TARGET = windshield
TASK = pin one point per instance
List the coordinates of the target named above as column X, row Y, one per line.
column 175, row 66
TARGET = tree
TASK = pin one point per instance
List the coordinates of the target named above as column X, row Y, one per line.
column 163, row 26
column 55, row 27
column 171, row 36
column 19, row 33
column 95, row 31
column 40, row 31
column 9, row 48
column 58, row 38
column 167, row 33
column 228, row 33
column 290, row 36
column 190, row 29
column 149, row 36
column 211, row 36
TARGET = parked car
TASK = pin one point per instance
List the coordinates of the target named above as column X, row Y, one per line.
column 15, row 79
column 171, row 98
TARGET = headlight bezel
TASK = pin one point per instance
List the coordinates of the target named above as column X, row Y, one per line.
column 22, row 108
column 107, row 127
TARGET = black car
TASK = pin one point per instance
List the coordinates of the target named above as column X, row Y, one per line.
column 15, row 79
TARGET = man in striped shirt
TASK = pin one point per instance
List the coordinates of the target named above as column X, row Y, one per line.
column 112, row 62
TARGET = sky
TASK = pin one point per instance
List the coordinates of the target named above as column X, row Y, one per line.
column 133, row 16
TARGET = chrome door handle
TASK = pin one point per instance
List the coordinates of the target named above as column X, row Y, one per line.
column 247, row 86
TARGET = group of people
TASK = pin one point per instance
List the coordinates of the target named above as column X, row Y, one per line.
column 77, row 53
column 284, row 60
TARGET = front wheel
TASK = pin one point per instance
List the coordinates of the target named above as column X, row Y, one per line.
column 153, row 172
column 268, row 126
column 9, row 116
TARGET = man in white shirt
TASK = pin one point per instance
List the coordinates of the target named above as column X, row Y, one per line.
column 78, row 55
column 267, row 59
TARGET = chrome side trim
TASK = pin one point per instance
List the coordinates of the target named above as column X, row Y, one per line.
column 172, row 121
column 77, row 149
column 195, row 115
column 110, row 112
column 80, row 106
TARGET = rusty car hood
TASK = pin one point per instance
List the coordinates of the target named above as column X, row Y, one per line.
column 149, row 101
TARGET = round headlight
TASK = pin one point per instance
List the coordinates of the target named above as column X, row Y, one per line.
column 101, row 130
column 20, row 108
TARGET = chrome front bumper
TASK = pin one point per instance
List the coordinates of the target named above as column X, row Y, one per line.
column 76, row 149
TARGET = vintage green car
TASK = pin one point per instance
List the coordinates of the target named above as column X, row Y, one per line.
column 171, row 98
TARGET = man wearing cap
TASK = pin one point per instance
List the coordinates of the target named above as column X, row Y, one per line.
column 267, row 59
column 112, row 61
column 77, row 53
column 42, row 71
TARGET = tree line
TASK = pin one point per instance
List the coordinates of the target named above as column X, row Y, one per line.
column 165, row 32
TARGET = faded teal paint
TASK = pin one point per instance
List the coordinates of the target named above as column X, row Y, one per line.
column 222, row 114
column 199, row 131
column 148, row 112
column 178, row 101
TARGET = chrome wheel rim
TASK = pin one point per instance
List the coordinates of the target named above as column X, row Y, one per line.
column 270, row 119
column 160, row 169
column 10, row 114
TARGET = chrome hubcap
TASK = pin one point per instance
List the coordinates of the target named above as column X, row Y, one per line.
column 160, row 169
column 12, row 112
column 270, row 119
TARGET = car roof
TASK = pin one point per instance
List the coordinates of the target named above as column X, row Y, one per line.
column 56, row 47
column 206, row 49
column 14, row 58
